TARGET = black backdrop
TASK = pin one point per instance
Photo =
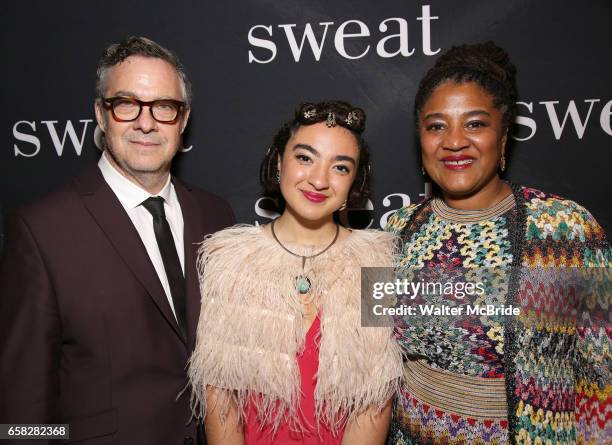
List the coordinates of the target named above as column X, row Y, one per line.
column 561, row 50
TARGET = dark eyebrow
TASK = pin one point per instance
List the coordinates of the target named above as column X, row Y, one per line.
column 307, row 148
column 430, row 115
column 477, row 113
column 318, row 155
column 345, row 158
column 470, row 113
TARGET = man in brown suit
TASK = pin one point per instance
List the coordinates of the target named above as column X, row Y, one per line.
column 99, row 296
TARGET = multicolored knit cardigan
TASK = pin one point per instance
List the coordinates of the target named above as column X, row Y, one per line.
column 555, row 367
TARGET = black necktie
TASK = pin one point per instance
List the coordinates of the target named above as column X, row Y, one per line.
column 172, row 264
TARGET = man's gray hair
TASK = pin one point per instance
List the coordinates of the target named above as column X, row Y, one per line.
column 139, row 46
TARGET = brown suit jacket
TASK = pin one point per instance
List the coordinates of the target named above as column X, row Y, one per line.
column 87, row 336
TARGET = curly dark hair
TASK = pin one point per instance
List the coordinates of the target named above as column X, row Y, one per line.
column 485, row 64
column 333, row 113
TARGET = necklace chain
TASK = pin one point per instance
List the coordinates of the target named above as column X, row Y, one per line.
column 305, row 257
column 303, row 284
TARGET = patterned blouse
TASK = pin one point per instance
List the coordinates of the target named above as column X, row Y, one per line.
column 541, row 377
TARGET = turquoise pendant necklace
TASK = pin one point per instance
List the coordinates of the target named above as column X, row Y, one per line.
column 302, row 282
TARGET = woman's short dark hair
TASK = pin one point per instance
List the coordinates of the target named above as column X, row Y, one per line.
column 332, row 113
column 485, row 64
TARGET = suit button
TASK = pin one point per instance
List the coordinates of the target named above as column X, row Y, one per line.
column 188, row 441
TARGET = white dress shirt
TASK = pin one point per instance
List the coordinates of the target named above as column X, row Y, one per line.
column 131, row 197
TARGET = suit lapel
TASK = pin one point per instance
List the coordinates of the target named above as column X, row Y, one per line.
column 192, row 235
column 110, row 215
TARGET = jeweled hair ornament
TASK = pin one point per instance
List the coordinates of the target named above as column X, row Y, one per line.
column 351, row 117
column 309, row 114
column 331, row 120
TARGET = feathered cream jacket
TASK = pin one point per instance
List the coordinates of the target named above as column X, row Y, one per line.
column 251, row 326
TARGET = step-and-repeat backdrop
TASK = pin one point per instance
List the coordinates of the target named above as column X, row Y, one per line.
column 251, row 62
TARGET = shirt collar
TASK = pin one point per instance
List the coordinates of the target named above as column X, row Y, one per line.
column 130, row 194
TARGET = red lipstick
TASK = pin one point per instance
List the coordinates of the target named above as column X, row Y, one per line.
column 457, row 162
column 314, row 196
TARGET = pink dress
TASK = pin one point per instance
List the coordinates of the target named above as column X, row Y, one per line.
column 308, row 363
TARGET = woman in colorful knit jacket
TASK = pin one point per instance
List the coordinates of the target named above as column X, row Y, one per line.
column 540, row 377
